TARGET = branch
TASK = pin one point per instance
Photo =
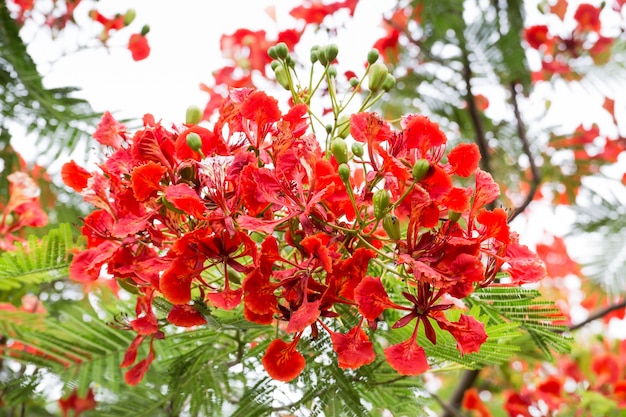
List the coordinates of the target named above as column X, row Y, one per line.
column 598, row 315
column 534, row 172
column 454, row 404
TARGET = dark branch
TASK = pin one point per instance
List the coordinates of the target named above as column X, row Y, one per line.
column 454, row 404
column 598, row 315
column 534, row 172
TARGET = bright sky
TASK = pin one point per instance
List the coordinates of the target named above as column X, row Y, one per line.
column 184, row 38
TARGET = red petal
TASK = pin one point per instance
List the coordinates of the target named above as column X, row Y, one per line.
column 260, row 108
column 282, row 361
column 184, row 198
column 258, row 293
column 371, row 297
column 468, row 332
column 408, row 358
column 353, row 349
column 304, row 316
column 138, row 46
column 486, row 191
column 146, row 179
column 369, row 127
column 227, row 299
column 75, row 176
column 185, row 316
column 464, row 159
column 175, row 283
column 109, row 132
column 458, row 199
column 423, row 134
column 135, row 374
column 496, row 224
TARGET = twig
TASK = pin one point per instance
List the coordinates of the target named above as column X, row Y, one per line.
column 598, row 315
column 534, row 172
column 454, row 404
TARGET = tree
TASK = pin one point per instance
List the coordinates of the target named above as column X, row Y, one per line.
column 331, row 249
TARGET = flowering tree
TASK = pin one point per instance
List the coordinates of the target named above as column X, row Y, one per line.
column 305, row 254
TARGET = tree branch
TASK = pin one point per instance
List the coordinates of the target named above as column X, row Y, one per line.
column 454, row 404
column 534, row 171
column 598, row 315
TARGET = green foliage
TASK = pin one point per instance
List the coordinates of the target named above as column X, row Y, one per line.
column 538, row 318
column 39, row 261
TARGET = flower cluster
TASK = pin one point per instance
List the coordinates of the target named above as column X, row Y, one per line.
column 256, row 214
column 587, row 39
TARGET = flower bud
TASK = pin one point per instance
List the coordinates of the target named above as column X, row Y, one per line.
column 390, row 81
column 331, row 51
column 357, row 149
column 420, row 169
column 380, row 201
column 391, row 224
column 453, row 216
column 377, row 76
column 344, row 172
column 193, row 115
column 332, row 71
column 314, row 54
column 274, row 64
column 343, row 127
column 321, row 56
column 281, row 77
column 281, row 50
column 328, row 128
column 339, row 149
column 271, row 52
column 354, row 81
column 194, row 141
column 372, row 56
column 129, row 16
column 144, row 30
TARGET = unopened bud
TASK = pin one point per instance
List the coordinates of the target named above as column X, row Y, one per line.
column 453, row 216
column 420, row 169
column 390, row 81
column 343, row 127
column 281, row 77
column 331, row 52
column 144, row 30
column 344, row 172
column 377, row 76
column 129, row 16
column 372, row 56
column 281, row 50
column 193, row 115
column 332, row 71
column 314, row 54
column 391, row 224
column 354, row 81
column 339, row 149
column 380, row 201
column 194, row 141
column 357, row 149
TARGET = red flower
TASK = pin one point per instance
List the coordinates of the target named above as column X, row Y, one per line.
column 282, row 361
column 138, row 46
column 422, row 134
column 468, row 332
column 588, row 18
column 109, row 132
column 408, row 358
column 550, row 391
column 353, row 349
column 464, row 159
column 185, row 316
column 146, row 180
column 472, row 402
column 77, row 404
column 369, row 128
column 537, row 36
column 314, row 12
column 372, row 299
column 75, row 176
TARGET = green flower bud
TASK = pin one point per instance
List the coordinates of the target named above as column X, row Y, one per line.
column 344, row 172
column 193, row 116
column 343, row 126
column 391, row 224
column 420, row 169
column 281, row 77
column 329, row 128
column 314, row 54
column 372, row 56
column 129, row 16
column 332, row 71
column 281, row 50
column 339, row 149
column 144, row 30
column 357, row 149
column 274, row 64
column 377, row 76
column 453, row 216
column 331, row 51
column 321, row 56
column 290, row 61
column 354, row 82
column 390, row 81
column 271, row 52
column 380, row 201
column 194, row 141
